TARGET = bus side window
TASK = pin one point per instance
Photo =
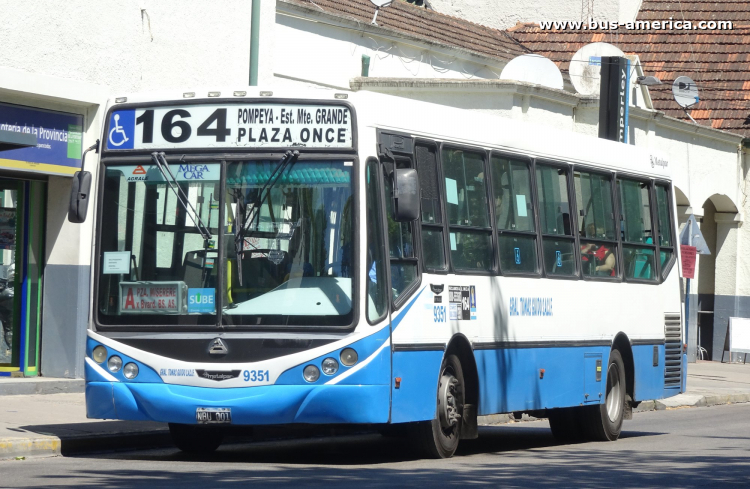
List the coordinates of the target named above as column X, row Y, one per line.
column 558, row 242
column 596, row 223
column 403, row 258
column 666, row 245
column 514, row 214
column 637, row 230
column 377, row 299
column 468, row 210
column 433, row 250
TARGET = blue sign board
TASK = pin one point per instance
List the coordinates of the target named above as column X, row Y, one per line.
column 201, row 301
column 59, row 140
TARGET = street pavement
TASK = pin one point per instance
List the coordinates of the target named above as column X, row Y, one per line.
column 55, row 424
column 699, row 447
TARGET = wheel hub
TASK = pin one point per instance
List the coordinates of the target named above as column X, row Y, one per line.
column 448, row 403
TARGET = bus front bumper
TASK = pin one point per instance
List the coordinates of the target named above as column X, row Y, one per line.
column 264, row 405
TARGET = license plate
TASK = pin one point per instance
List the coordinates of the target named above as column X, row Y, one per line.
column 213, row 415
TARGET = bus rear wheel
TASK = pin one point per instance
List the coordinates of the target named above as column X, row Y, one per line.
column 439, row 437
column 195, row 439
column 603, row 422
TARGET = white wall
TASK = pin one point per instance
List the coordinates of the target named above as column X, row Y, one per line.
column 329, row 52
column 129, row 45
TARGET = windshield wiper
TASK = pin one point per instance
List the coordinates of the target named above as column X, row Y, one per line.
column 161, row 163
column 246, row 220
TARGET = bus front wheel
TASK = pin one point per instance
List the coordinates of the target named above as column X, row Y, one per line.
column 195, row 439
column 604, row 421
column 439, row 437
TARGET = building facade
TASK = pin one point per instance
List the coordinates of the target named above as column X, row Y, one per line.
column 63, row 64
column 58, row 67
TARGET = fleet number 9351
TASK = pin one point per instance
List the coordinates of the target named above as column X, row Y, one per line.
column 439, row 314
column 256, row 375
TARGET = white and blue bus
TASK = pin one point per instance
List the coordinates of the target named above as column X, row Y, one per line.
column 267, row 258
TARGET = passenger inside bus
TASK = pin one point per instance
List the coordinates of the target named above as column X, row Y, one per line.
column 599, row 259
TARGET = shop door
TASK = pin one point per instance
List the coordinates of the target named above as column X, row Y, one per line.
column 22, row 206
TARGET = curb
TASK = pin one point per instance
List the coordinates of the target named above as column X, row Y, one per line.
column 51, row 446
column 686, row 400
column 692, row 401
column 33, row 386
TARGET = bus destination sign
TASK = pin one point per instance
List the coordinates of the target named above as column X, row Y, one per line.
column 230, row 126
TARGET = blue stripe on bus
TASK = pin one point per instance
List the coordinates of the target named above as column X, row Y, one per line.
column 257, row 406
column 365, row 348
column 510, row 378
column 415, row 399
column 402, row 313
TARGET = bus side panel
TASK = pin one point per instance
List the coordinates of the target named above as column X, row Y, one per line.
column 512, row 379
column 649, row 378
column 415, row 399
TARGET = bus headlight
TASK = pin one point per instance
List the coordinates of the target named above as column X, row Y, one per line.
column 130, row 371
column 114, row 363
column 311, row 373
column 99, row 354
column 349, row 357
column 330, row 366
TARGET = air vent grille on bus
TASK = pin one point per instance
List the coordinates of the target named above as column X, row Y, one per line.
column 673, row 350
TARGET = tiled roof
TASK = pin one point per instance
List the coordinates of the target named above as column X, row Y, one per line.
column 421, row 23
column 718, row 61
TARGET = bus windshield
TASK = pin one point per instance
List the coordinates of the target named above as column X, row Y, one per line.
column 286, row 258
column 295, row 256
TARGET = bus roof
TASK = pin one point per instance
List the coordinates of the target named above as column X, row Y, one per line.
column 502, row 133
column 472, row 127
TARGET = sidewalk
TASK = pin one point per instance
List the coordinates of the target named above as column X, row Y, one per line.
column 51, row 423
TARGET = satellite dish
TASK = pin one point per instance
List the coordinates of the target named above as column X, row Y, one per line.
column 533, row 68
column 685, row 91
column 586, row 66
column 378, row 4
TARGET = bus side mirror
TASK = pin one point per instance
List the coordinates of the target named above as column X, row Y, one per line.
column 79, row 197
column 405, row 195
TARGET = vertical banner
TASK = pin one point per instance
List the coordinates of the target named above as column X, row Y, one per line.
column 614, row 99
column 688, row 256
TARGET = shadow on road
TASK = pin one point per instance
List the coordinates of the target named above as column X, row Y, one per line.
column 508, row 456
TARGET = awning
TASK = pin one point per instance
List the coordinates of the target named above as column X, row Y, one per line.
column 16, row 140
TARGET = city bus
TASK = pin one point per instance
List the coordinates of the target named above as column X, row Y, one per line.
column 277, row 258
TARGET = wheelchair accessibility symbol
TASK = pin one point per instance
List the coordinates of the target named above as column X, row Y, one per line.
column 121, row 127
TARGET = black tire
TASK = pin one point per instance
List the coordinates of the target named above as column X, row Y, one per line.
column 195, row 439
column 439, row 437
column 603, row 422
column 565, row 424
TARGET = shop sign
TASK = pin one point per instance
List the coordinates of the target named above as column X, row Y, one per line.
column 59, row 140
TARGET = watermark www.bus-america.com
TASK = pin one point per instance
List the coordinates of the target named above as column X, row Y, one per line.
column 644, row 25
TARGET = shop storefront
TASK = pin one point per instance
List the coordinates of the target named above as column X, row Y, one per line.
column 35, row 144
